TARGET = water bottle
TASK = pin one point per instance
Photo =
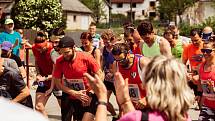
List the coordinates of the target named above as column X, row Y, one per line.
column 41, row 84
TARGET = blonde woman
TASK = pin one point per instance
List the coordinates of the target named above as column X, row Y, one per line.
column 207, row 81
column 168, row 95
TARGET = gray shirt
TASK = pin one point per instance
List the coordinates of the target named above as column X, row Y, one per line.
column 7, row 62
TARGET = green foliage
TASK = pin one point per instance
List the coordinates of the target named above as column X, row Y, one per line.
column 96, row 6
column 169, row 9
column 38, row 14
column 185, row 28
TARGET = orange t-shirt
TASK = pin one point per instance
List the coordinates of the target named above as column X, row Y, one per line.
column 193, row 54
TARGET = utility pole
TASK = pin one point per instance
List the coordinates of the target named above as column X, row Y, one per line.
column 131, row 16
column 110, row 19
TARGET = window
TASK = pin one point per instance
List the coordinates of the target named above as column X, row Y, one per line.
column 74, row 18
column 143, row 12
column 152, row 4
column 134, row 5
column 119, row 5
column 152, row 14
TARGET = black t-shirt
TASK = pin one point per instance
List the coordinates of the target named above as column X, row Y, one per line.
column 17, row 59
column 11, row 81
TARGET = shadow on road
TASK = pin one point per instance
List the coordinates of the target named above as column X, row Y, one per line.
column 54, row 117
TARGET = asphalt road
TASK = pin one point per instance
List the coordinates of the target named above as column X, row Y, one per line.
column 53, row 108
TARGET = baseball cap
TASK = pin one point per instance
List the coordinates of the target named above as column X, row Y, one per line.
column 6, row 45
column 65, row 42
column 8, row 21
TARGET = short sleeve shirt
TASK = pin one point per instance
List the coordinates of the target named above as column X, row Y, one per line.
column 4, row 36
column 193, row 54
column 75, row 69
column 13, row 82
column 17, row 59
column 10, row 63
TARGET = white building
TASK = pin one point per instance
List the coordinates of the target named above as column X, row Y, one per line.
column 141, row 9
column 199, row 12
column 78, row 16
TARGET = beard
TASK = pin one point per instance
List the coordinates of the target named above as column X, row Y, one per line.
column 125, row 63
column 69, row 57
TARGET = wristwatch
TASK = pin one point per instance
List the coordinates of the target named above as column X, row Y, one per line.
column 102, row 103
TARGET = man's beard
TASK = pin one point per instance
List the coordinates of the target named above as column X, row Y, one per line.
column 70, row 57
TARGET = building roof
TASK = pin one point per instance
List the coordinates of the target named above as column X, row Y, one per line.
column 74, row 6
column 127, row 1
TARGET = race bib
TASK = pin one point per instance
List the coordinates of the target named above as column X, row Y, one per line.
column 207, row 89
column 75, row 84
column 134, row 92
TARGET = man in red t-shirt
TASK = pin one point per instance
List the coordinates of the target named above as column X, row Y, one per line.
column 77, row 100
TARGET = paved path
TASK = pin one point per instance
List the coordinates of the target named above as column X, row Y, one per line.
column 53, row 109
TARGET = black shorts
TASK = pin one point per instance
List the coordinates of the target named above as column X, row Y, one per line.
column 46, row 86
column 73, row 107
column 110, row 86
column 57, row 93
column 42, row 89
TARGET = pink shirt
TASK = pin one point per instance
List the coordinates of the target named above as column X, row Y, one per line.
column 137, row 116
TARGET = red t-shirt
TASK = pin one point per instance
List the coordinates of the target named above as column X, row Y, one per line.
column 207, row 78
column 133, row 78
column 43, row 60
column 72, row 71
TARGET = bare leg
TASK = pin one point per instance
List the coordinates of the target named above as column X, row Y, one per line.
column 88, row 117
column 40, row 103
column 110, row 107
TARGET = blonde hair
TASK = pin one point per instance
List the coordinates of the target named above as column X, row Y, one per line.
column 167, row 88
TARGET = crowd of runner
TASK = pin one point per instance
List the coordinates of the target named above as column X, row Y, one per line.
column 155, row 78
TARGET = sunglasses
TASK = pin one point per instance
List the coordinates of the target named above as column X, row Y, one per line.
column 208, row 51
column 120, row 60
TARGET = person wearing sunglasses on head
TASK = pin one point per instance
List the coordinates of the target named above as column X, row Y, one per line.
column 207, row 81
column 131, row 67
column 207, row 32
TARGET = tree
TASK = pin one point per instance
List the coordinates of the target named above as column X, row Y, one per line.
column 172, row 8
column 37, row 14
column 96, row 6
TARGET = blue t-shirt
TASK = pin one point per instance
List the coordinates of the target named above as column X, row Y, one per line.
column 4, row 36
column 107, row 59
